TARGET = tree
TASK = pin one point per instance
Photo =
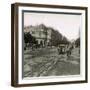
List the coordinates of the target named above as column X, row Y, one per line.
column 77, row 42
column 57, row 38
column 28, row 38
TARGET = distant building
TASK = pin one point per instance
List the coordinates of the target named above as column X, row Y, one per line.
column 41, row 33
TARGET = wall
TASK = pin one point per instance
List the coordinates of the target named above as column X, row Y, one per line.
column 5, row 45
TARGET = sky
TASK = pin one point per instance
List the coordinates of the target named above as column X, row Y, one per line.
column 67, row 24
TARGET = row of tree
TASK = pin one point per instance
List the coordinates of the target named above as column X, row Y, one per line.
column 57, row 38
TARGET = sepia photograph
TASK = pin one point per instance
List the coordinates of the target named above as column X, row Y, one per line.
column 51, row 44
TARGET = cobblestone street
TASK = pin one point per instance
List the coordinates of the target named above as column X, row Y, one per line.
column 47, row 62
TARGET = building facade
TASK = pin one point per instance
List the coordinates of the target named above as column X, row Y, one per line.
column 41, row 33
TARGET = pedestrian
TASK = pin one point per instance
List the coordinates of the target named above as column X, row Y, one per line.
column 58, row 49
column 68, row 51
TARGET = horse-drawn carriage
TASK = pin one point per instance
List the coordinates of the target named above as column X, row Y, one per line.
column 62, row 49
column 65, row 49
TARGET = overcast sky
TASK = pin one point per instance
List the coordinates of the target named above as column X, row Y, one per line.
column 66, row 24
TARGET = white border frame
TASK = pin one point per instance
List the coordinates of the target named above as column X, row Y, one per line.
column 50, row 79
